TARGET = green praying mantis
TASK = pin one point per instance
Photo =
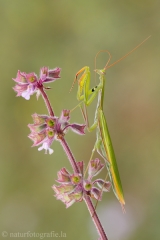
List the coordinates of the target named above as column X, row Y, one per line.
column 103, row 144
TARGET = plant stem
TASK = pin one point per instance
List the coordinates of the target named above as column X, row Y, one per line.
column 69, row 155
column 47, row 102
column 95, row 218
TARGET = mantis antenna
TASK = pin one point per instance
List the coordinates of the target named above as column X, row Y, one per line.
column 108, row 59
column 106, row 66
column 95, row 61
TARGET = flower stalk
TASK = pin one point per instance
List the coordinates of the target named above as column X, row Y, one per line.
column 69, row 155
column 47, row 102
column 95, row 218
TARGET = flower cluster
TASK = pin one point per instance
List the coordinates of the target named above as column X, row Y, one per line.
column 28, row 83
column 46, row 129
column 73, row 187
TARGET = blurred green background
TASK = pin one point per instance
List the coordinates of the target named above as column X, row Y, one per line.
column 68, row 34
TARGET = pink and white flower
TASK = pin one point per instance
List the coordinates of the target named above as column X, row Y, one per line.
column 28, row 84
column 46, row 129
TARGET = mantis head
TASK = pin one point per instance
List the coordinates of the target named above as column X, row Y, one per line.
column 100, row 71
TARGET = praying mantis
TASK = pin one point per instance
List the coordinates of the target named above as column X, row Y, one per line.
column 103, row 144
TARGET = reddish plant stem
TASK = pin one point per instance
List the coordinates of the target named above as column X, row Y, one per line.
column 69, row 155
column 95, row 218
column 47, row 102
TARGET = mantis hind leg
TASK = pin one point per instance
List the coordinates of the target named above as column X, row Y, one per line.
column 95, row 148
column 101, row 151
